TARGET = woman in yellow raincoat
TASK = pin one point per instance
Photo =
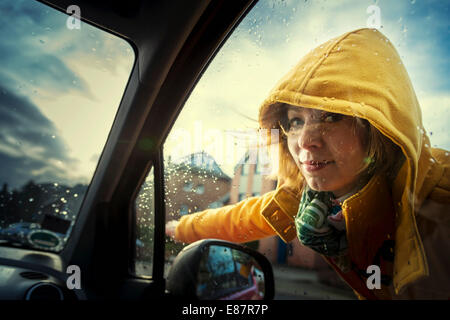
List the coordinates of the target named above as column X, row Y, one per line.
column 357, row 180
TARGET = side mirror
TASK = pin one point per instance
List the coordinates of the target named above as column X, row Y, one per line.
column 220, row 270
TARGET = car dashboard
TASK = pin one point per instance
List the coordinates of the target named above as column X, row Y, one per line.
column 33, row 275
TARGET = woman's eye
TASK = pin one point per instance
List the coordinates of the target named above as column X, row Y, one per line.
column 332, row 117
column 295, row 123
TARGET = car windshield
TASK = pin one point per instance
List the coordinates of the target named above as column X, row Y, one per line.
column 61, row 83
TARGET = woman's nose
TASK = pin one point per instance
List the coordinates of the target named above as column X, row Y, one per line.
column 310, row 136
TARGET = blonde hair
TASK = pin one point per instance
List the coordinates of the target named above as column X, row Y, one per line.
column 382, row 155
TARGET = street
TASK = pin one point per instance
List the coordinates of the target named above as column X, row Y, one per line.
column 298, row 284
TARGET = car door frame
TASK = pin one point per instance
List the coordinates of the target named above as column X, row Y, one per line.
column 102, row 242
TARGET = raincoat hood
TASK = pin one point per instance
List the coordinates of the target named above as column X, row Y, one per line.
column 361, row 74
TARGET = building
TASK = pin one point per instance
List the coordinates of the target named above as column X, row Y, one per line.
column 195, row 183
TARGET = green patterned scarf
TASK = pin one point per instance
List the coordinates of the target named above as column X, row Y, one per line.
column 314, row 229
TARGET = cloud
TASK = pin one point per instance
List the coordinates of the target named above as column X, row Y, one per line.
column 43, row 72
column 59, row 91
column 29, row 59
column 30, row 145
column 436, row 119
column 17, row 171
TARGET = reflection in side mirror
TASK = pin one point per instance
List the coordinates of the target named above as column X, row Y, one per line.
column 227, row 273
column 220, row 270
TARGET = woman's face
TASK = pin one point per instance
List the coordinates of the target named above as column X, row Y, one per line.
column 327, row 147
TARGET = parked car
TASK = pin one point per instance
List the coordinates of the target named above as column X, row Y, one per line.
column 18, row 232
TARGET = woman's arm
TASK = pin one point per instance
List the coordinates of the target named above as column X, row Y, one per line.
column 240, row 222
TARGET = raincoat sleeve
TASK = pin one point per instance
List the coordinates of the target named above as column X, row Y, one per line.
column 240, row 222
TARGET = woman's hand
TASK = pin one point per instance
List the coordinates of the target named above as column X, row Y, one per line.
column 170, row 228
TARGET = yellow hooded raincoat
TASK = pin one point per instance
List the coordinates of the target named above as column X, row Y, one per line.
column 359, row 74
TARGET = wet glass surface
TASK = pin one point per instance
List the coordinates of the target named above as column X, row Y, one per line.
column 61, row 82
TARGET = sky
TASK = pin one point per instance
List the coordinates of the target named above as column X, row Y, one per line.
column 272, row 39
column 60, row 89
column 59, row 92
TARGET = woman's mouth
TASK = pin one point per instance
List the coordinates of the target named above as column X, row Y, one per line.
column 313, row 165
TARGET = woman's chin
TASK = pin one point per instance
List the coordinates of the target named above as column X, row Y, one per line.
column 318, row 183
